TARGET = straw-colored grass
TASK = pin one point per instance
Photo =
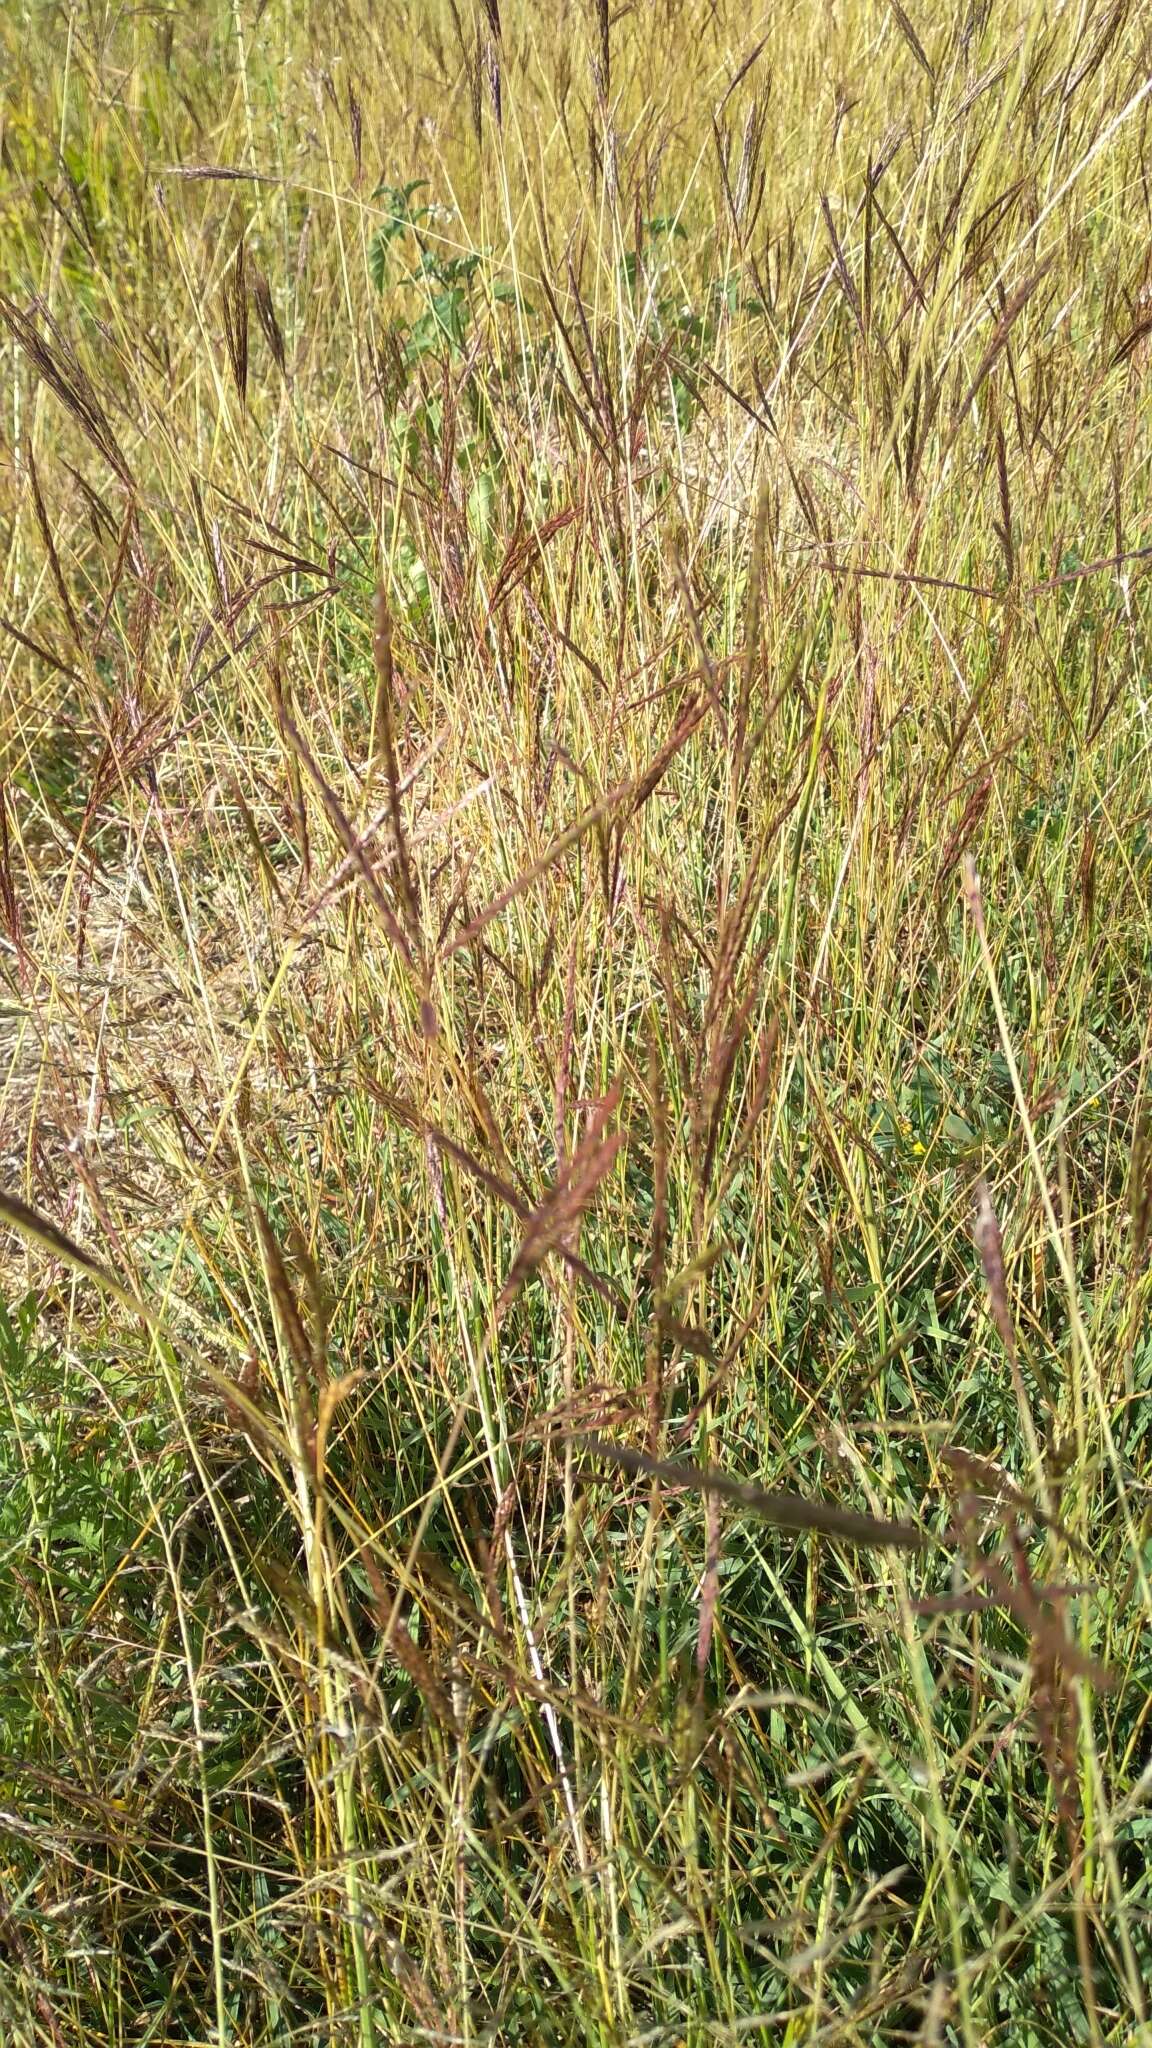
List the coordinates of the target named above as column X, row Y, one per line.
column 575, row 914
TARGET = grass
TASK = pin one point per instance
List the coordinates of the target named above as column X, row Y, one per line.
column 575, row 914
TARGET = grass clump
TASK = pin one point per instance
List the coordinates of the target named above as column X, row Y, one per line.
column 575, row 870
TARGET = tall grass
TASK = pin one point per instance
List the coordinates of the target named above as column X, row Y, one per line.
column 575, row 918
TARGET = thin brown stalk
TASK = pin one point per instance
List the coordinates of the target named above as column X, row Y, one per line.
column 782, row 1510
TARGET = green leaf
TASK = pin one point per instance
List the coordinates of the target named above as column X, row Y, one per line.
column 445, row 321
column 378, row 258
column 482, row 504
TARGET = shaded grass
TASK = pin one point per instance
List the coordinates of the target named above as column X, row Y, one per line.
column 575, row 784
